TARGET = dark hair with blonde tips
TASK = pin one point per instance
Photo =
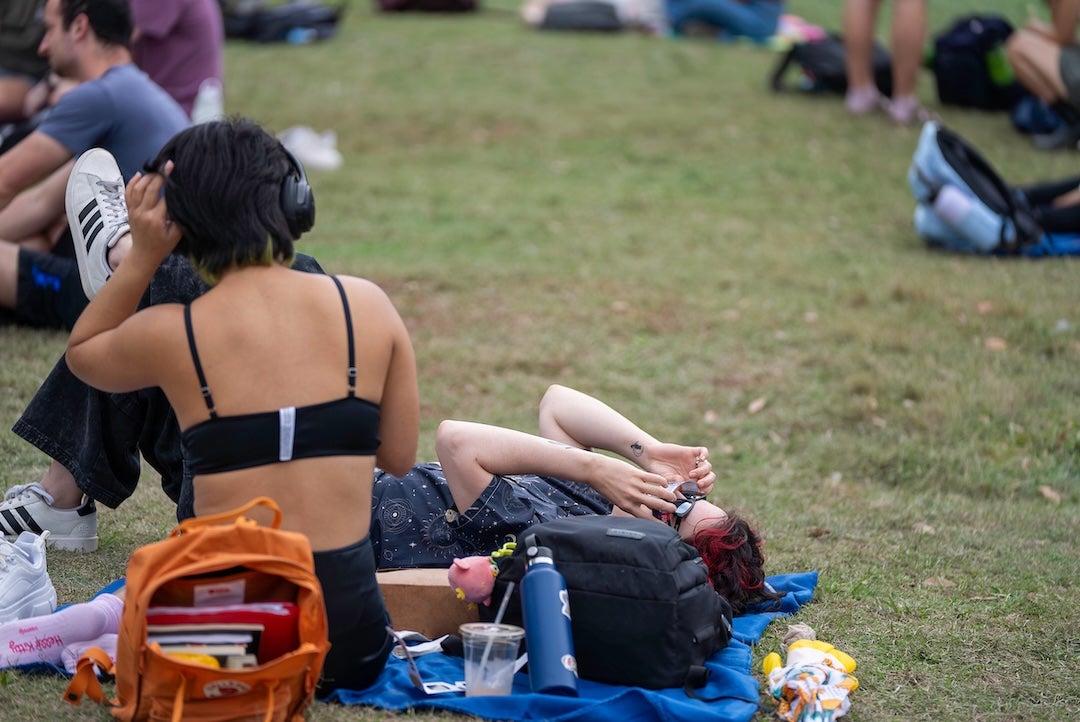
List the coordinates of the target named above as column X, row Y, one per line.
column 224, row 192
column 731, row 550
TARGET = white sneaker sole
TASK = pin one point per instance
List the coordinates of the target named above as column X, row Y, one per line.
column 93, row 262
column 72, row 544
column 67, row 543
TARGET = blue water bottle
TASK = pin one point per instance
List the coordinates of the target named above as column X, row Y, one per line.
column 545, row 606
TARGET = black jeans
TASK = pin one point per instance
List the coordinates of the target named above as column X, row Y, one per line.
column 98, row 437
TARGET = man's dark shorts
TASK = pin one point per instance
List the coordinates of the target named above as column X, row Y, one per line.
column 49, row 293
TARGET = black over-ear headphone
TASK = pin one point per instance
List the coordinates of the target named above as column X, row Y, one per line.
column 297, row 200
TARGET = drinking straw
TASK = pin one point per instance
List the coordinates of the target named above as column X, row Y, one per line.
column 498, row 619
column 505, row 601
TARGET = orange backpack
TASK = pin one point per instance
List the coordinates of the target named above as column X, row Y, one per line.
column 244, row 562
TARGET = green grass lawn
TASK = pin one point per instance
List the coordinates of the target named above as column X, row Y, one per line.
column 641, row 219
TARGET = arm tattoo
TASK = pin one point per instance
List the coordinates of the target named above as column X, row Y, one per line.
column 637, row 449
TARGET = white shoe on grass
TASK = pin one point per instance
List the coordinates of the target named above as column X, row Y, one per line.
column 25, row 588
column 29, row 508
column 97, row 215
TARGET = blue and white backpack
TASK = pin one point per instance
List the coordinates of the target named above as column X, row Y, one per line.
column 998, row 222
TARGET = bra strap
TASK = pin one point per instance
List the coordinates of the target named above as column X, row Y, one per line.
column 349, row 336
column 198, row 366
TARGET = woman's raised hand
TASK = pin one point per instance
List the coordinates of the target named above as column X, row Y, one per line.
column 151, row 229
column 676, row 462
column 636, row 491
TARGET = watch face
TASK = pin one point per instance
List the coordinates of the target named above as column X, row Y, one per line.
column 683, row 507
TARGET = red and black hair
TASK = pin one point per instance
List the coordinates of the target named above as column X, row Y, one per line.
column 731, row 550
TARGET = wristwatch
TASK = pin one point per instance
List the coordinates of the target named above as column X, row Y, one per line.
column 691, row 496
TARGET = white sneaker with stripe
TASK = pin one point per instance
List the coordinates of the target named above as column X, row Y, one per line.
column 97, row 215
column 29, row 508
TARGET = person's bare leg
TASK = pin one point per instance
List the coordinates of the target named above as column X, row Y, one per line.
column 859, row 21
column 119, row 251
column 860, row 18
column 1036, row 62
column 9, row 274
column 55, row 505
column 909, row 25
column 59, row 482
column 908, row 36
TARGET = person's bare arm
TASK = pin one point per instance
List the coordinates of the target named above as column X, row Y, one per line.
column 29, row 162
column 472, row 453
column 112, row 347
column 578, row 419
column 34, row 211
column 399, row 418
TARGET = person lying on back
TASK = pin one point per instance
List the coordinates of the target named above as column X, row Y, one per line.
column 491, row 483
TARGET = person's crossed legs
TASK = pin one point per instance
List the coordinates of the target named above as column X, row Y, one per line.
column 96, row 440
column 91, row 441
column 39, row 277
column 1051, row 72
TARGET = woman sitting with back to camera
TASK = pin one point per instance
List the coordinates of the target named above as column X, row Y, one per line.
column 492, row 483
column 265, row 349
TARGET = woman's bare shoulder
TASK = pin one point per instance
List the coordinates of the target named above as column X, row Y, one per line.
column 364, row 289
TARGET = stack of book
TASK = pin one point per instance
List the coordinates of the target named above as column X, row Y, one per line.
column 232, row 636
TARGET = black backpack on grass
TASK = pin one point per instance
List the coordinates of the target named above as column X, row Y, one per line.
column 970, row 66
column 642, row 609
column 822, row 69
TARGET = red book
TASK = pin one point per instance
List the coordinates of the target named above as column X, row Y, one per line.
column 279, row 622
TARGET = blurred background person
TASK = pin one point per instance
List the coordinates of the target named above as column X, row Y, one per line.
column 1046, row 60
column 180, row 44
column 909, row 28
column 21, row 68
column 726, row 20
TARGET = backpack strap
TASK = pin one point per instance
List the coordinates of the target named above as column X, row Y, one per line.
column 1024, row 226
column 178, row 700
column 85, row 681
column 776, row 82
column 696, row 678
column 181, row 695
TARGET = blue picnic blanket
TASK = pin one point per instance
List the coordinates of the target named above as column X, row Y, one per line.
column 730, row 679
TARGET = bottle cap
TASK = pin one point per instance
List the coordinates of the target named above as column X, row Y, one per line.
column 538, row 554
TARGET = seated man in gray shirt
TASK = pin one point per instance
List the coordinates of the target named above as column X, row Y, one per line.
column 115, row 106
